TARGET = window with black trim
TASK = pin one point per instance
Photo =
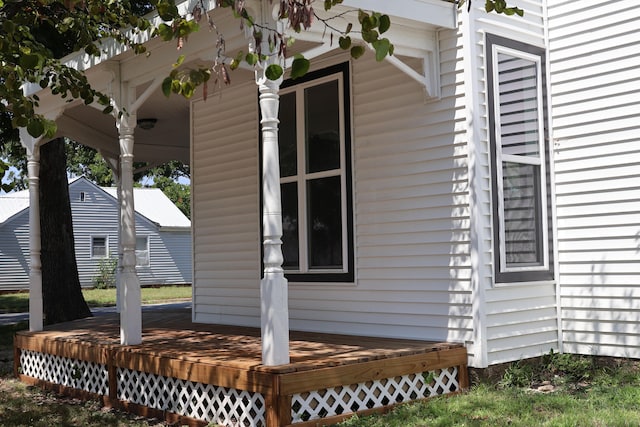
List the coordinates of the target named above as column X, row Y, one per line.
column 315, row 177
column 522, row 226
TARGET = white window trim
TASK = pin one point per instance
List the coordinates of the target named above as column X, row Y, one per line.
column 148, row 250
column 302, row 177
column 106, row 242
column 541, row 161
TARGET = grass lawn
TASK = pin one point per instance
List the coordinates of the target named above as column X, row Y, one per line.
column 583, row 391
column 19, row 302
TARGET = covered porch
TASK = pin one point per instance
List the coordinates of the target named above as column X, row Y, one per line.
column 196, row 374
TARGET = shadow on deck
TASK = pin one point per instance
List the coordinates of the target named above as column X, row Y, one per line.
column 196, row 373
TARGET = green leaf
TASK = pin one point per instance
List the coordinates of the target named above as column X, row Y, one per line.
column 108, row 109
column 29, row 61
column 357, row 51
column 273, row 72
column 20, row 121
column 166, row 86
column 385, row 23
column 369, row 36
column 382, row 48
column 179, row 61
column 8, row 26
column 50, row 128
column 167, row 10
column 344, row 42
column 35, row 127
column 300, row 67
column 188, row 89
column 252, row 58
column 165, row 32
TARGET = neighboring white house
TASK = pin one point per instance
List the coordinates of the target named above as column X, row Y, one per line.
column 163, row 241
column 481, row 186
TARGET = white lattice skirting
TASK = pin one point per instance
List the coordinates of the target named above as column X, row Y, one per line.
column 226, row 406
column 78, row 374
column 232, row 407
column 372, row 394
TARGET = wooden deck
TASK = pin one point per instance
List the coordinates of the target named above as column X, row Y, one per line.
column 178, row 355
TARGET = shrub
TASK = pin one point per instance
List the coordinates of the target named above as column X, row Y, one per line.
column 106, row 276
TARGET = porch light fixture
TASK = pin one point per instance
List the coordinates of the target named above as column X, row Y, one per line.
column 147, row 124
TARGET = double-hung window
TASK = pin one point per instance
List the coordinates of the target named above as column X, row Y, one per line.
column 142, row 251
column 519, row 160
column 315, row 177
column 99, row 247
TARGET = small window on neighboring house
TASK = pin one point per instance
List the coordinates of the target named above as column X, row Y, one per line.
column 315, row 177
column 142, row 251
column 520, row 161
column 82, row 196
column 99, row 247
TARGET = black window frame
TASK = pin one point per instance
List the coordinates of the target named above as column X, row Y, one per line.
column 533, row 275
column 317, row 276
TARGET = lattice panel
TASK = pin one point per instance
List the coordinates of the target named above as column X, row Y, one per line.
column 226, row 406
column 79, row 374
column 372, row 394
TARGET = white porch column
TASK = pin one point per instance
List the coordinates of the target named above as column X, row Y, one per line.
column 36, row 321
column 273, row 288
column 128, row 283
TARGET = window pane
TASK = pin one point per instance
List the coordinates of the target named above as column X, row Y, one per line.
column 287, row 135
column 518, row 97
column 322, row 127
column 290, row 239
column 325, row 222
column 522, row 219
column 142, row 251
column 99, row 246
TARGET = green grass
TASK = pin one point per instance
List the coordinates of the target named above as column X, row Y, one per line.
column 610, row 396
column 19, row 302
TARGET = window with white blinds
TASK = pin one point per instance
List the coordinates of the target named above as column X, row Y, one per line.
column 519, row 161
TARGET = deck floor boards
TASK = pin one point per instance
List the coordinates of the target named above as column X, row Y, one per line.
column 172, row 334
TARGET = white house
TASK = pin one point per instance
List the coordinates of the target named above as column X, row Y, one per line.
column 480, row 186
column 163, row 235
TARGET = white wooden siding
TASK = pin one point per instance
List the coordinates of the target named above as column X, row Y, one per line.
column 411, row 212
column 595, row 85
column 14, row 253
column 516, row 320
column 226, row 210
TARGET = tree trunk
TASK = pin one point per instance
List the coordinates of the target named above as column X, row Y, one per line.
column 61, row 292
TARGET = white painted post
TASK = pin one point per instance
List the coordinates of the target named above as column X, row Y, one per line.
column 128, row 283
column 36, row 321
column 273, row 287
